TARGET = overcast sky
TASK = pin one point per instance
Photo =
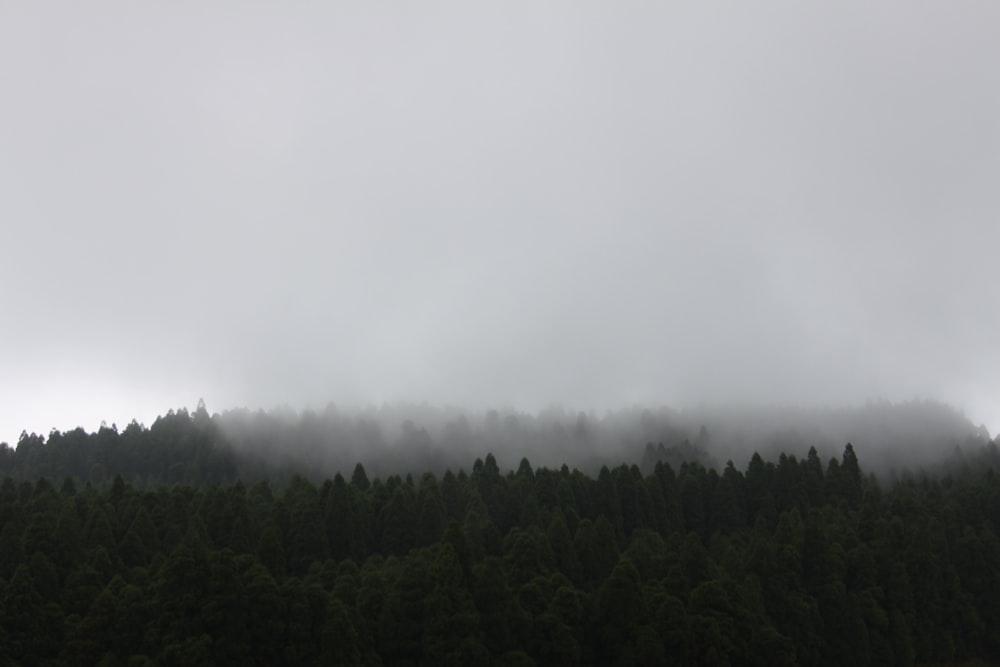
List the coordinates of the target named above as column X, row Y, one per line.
column 496, row 204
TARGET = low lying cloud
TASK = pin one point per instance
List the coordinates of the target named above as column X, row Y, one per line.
column 491, row 207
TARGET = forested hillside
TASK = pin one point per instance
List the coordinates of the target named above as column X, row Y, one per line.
column 790, row 561
column 536, row 333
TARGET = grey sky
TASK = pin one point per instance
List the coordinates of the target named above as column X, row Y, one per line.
column 594, row 204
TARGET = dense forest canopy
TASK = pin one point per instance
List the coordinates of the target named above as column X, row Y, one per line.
column 172, row 546
column 786, row 562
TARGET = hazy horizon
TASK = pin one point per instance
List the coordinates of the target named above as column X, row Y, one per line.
column 496, row 205
column 763, row 420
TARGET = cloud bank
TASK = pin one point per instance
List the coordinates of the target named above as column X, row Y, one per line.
column 499, row 205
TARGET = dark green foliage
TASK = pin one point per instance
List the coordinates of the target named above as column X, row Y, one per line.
column 786, row 563
column 359, row 478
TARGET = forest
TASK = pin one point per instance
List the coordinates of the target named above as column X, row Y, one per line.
column 169, row 546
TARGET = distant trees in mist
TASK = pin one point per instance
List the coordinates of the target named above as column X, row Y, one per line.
column 196, row 447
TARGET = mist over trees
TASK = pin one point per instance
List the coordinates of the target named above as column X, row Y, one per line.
column 196, row 447
column 414, row 437
column 728, row 205
column 781, row 562
column 382, row 537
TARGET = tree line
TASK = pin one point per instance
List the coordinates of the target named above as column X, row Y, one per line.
column 196, row 448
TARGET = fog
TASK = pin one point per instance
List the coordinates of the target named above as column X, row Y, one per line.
column 606, row 207
column 889, row 439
